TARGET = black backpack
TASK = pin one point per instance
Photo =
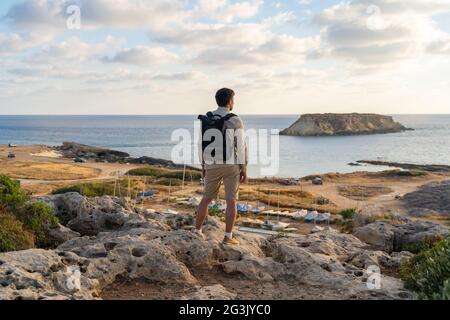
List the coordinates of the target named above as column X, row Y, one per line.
column 215, row 122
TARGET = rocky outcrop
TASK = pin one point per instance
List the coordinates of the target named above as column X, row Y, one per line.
column 407, row 166
column 314, row 125
column 430, row 199
column 136, row 244
column 395, row 238
column 77, row 150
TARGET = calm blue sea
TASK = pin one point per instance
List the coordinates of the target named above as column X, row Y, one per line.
column 151, row 136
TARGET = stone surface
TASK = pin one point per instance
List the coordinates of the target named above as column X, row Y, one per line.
column 158, row 248
column 430, row 199
column 342, row 124
column 388, row 237
column 380, row 235
column 216, row 292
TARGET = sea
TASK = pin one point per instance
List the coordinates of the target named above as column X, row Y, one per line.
column 429, row 143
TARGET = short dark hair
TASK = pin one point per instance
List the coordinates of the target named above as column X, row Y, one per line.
column 224, row 96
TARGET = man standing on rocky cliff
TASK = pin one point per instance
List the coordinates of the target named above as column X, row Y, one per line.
column 224, row 159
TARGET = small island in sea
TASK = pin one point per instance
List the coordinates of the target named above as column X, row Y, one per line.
column 333, row 124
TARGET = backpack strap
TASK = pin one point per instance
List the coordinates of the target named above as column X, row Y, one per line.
column 229, row 116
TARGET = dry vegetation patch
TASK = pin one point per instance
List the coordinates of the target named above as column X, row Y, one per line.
column 47, row 171
column 361, row 193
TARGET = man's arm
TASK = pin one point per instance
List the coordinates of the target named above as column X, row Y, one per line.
column 241, row 148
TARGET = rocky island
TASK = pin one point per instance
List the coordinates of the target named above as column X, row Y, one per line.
column 331, row 124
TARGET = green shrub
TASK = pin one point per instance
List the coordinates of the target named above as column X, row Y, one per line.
column 13, row 236
column 428, row 273
column 445, row 294
column 348, row 214
column 22, row 220
column 426, row 244
column 11, row 197
column 165, row 173
column 406, row 173
column 99, row 189
column 37, row 217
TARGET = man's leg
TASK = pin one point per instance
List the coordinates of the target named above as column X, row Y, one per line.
column 213, row 179
column 202, row 213
column 231, row 215
column 231, row 181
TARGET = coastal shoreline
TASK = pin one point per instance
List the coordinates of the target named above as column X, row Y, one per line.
column 42, row 169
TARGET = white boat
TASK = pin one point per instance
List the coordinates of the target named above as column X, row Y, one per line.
column 285, row 214
column 170, row 212
column 323, row 217
column 312, row 216
column 300, row 214
column 258, row 210
column 194, row 202
column 280, row 226
column 267, row 225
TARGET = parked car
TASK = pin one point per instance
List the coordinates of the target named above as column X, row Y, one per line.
column 79, row 160
column 11, row 155
column 317, row 182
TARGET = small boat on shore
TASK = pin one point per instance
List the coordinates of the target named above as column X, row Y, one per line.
column 244, row 208
column 257, row 210
column 323, row 218
column 300, row 215
column 170, row 212
column 219, row 205
column 280, row 226
column 311, row 217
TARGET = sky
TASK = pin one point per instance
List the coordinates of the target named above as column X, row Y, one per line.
column 170, row 56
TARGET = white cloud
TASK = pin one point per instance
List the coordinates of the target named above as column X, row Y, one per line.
column 73, row 50
column 404, row 26
column 142, row 55
column 280, row 18
column 17, row 42
column 226, row 11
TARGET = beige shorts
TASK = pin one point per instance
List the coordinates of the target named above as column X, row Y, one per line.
column 230, row 175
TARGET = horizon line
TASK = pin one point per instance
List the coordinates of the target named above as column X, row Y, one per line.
column 191, row 114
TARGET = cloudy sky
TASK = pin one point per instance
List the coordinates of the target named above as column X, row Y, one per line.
column 169, row 56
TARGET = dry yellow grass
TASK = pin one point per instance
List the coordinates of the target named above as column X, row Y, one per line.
column 47, row 171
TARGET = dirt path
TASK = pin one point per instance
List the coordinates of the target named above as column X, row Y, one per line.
column 244, row 288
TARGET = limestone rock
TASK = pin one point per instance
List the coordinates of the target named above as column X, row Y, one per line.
column 119, row 243
column 216, row 292
column 388, row 237
column 59, row 234
column 380, row 235
column 342, row 124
